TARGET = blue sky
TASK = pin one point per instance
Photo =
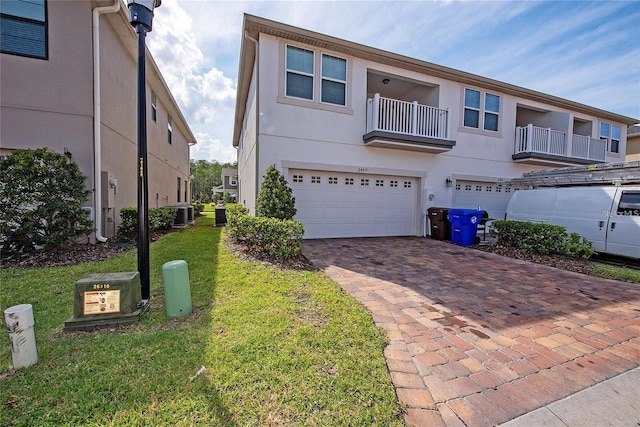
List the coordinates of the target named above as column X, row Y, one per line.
column 584, row 51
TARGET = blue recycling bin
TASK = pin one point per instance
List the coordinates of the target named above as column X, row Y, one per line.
column 464, row 225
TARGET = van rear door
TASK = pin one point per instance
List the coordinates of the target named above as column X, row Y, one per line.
column 623, row 233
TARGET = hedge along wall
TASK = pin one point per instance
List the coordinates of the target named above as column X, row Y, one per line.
column 276, row 238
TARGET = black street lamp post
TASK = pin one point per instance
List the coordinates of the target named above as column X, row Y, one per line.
column 141, row 17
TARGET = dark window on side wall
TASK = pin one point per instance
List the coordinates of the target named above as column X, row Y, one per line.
column 154, row 106
column 23, row 28
column 178, row 193
column 169, row 131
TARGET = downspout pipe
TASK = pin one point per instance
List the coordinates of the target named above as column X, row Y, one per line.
column 257, row 63
column 97, row 140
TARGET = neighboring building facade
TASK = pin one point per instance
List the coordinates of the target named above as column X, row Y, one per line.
column 73, row 87
column 229, row 177
column 369, row 140
column 633, row 143
column 230, row 182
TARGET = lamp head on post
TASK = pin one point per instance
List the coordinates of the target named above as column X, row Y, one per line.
column 448, row 182
column 141, row 12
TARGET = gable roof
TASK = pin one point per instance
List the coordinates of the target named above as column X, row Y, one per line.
column 253, row 26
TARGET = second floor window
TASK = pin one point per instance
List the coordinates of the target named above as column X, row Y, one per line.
column 23, row 28
column 314, row 76
column 334, row 80
column 154, row 106
column 299, row 73
column 169, row 130
column 611, row 134
column 481, row 112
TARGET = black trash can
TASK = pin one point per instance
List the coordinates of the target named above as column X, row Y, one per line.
column 221, row 216
column 440, row 227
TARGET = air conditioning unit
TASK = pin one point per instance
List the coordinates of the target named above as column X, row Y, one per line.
column 181, row 219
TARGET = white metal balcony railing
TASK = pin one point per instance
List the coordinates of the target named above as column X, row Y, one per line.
column 534, row 139
column 408, row 118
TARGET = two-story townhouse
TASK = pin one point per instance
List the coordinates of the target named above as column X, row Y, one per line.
column 230, row 182
column 69, row 83
column 369, row 139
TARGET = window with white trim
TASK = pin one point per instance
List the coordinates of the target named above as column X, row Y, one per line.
column 611, row 134
column 23, row 27
column 481, row 110
column 334, row 80
column 301, row 71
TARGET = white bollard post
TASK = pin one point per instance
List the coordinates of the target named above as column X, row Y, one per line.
column 19, row 320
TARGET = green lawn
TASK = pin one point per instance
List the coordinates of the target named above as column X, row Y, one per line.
column 280, row 347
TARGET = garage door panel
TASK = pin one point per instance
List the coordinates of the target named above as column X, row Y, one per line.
column 332, row 204
column 488, row 196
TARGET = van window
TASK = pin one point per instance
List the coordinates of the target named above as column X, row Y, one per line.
column 629, row 203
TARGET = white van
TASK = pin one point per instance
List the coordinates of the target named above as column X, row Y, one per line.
column 608, row 216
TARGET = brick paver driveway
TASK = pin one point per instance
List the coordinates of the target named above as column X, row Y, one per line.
column 477, row 339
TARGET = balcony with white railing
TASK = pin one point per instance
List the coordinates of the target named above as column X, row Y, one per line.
column 393, row 123
column 539, row 145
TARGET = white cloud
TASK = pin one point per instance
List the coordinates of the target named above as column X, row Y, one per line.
column 209, row 148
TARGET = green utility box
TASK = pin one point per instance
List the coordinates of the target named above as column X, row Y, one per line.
column 106, row 300
column 177, row 291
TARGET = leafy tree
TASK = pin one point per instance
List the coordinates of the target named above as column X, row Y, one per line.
column 275, row 199
column 41, row 197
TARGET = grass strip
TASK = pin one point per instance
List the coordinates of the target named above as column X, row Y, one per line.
column 280, row 347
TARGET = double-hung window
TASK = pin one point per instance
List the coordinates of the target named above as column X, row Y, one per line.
column 314, row 76
column 23, row 28
column 611, row 134
column 481, row 110
column 334, row 80
column 300, row 67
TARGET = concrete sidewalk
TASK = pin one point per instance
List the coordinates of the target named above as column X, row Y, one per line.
column 614, row 402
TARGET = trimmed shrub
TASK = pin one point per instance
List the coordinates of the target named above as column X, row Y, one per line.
column 275, row 199
column 198, row 208
column 275, row 238
column 540, row 238
column 159, row 219
column 41, row 198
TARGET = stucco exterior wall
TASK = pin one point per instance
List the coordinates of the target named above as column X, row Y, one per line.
column 247, row 152
column 49, row 103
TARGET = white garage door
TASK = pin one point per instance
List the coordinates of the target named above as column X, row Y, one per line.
column 336, row 204
column 489, row 196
